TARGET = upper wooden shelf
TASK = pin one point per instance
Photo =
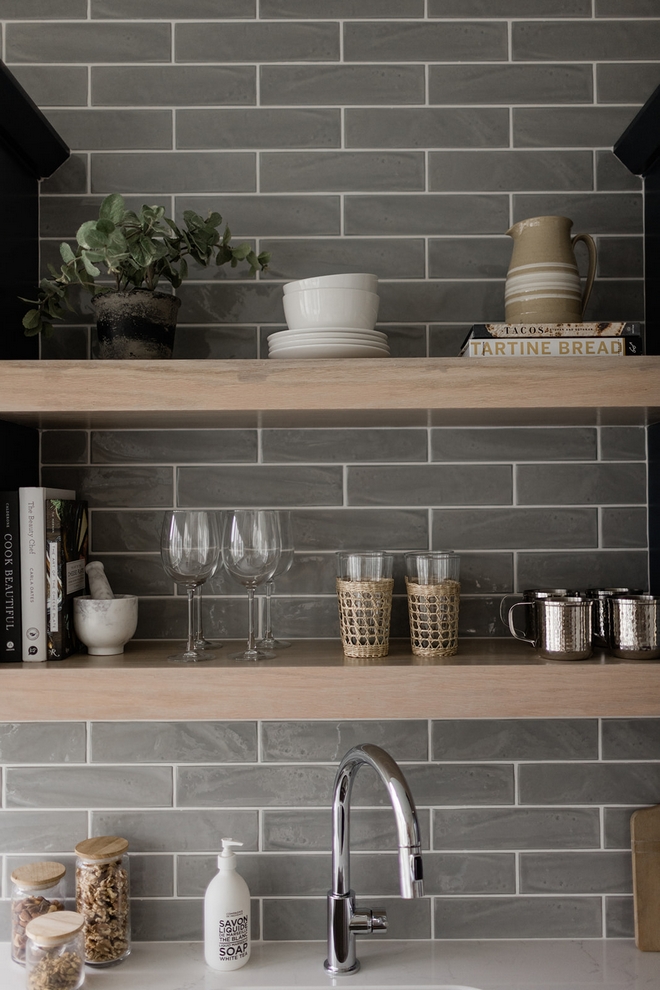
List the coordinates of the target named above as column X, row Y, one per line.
column 488, row 678
column 398, row 391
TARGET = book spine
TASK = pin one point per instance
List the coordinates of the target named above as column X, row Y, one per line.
column 66, row 556
column 10, row 615
column 554, row 347
column 32, row 517
column 506, row 330
column 33, row 577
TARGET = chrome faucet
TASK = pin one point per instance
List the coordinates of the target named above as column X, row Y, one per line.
column 343, row 920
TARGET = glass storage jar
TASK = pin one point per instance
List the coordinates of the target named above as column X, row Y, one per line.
column 102, row 897
column 55, row 952
column 37, row 889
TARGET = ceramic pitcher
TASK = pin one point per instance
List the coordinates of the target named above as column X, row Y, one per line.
column 543, row 284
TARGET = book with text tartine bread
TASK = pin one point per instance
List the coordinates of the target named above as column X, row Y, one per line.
column 32, row 515
column 554, row 340
column 66, row 557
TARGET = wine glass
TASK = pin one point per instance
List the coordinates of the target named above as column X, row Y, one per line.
column 190, row 550
column 268, row 641
column 250, row 553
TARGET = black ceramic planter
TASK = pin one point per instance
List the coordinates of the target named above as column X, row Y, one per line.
column 135, row 324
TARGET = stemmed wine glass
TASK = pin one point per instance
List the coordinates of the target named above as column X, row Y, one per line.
column 268, row 641
column 190, row 551
column 250, row 553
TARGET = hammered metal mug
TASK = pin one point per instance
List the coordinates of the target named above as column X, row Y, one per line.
column 563, row 627
column 530, row 596
column 602, row 612
column 634, row 627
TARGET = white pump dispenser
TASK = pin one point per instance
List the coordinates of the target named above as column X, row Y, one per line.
column 227, row 915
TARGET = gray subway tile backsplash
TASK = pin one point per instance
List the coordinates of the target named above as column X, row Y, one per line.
column 85, row 42
column 515, row 739
column 256, row 127
column 255, row 42
column 108, row 129
column 418, row 127
column 173, row 742
column 516, row 828
column 619, row 917
column 595, row 40
column 518, row 917
column 575, row 873
column 411, row 41
column 473, row 821
column 174, row 171
column 174, row 85
column 494, row 82
column 589, row 783
column 584, row 484
column 400, row 138
column 497, row 171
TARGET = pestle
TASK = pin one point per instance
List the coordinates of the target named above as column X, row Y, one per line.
column 99, row 586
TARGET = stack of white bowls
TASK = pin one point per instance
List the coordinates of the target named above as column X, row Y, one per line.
column 330, row 316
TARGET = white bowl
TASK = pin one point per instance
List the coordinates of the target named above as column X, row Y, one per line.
column 288, row 336
column 328, row 350
column 351, row 280
column 352, row 309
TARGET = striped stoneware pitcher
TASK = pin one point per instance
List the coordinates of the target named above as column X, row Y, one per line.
column 543, row 284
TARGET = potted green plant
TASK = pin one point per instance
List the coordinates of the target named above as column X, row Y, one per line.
column 138, row 251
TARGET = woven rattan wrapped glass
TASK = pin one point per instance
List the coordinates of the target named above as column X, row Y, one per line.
column 433, row 602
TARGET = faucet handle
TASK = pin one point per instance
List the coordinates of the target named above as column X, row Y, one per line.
column 368, row 921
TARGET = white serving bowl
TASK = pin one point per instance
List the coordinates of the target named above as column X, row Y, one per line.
column 352, row 309
column 351, row 280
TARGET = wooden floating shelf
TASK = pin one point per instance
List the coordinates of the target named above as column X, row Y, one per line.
column 488, row 678
column 399, row 391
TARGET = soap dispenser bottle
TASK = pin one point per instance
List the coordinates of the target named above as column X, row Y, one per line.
column 227, row 915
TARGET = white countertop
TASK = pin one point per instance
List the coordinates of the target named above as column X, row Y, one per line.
column 535, row 964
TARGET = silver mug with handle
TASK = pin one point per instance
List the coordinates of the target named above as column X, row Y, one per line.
column 564, row 627
column 530, row 596
column 602, row 610
column 634, row 626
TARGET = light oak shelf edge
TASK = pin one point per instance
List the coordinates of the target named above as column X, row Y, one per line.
column 443, row 390
column 486, row 679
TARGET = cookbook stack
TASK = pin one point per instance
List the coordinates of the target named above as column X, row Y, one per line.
column 554, row 340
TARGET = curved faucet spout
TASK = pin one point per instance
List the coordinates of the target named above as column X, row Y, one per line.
column 343, row 920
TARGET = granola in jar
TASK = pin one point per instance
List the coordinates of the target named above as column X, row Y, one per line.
column 55, row 952
column 37, row 889
column 102, row 898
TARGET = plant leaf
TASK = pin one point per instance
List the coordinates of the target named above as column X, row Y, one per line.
column 89, row 267
column 32, row 319
column 66, row 253
column 112, row 208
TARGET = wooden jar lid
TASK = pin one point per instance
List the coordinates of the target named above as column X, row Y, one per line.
column 36, row 876
column 51, row 929
column 102, row 847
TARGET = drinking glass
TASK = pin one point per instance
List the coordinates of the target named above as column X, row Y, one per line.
column 190, row 551
column 268, row 641
column 251, row 552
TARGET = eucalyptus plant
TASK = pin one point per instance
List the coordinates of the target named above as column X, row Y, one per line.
column 136, row 250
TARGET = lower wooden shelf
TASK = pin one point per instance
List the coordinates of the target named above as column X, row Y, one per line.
column 488, row 678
